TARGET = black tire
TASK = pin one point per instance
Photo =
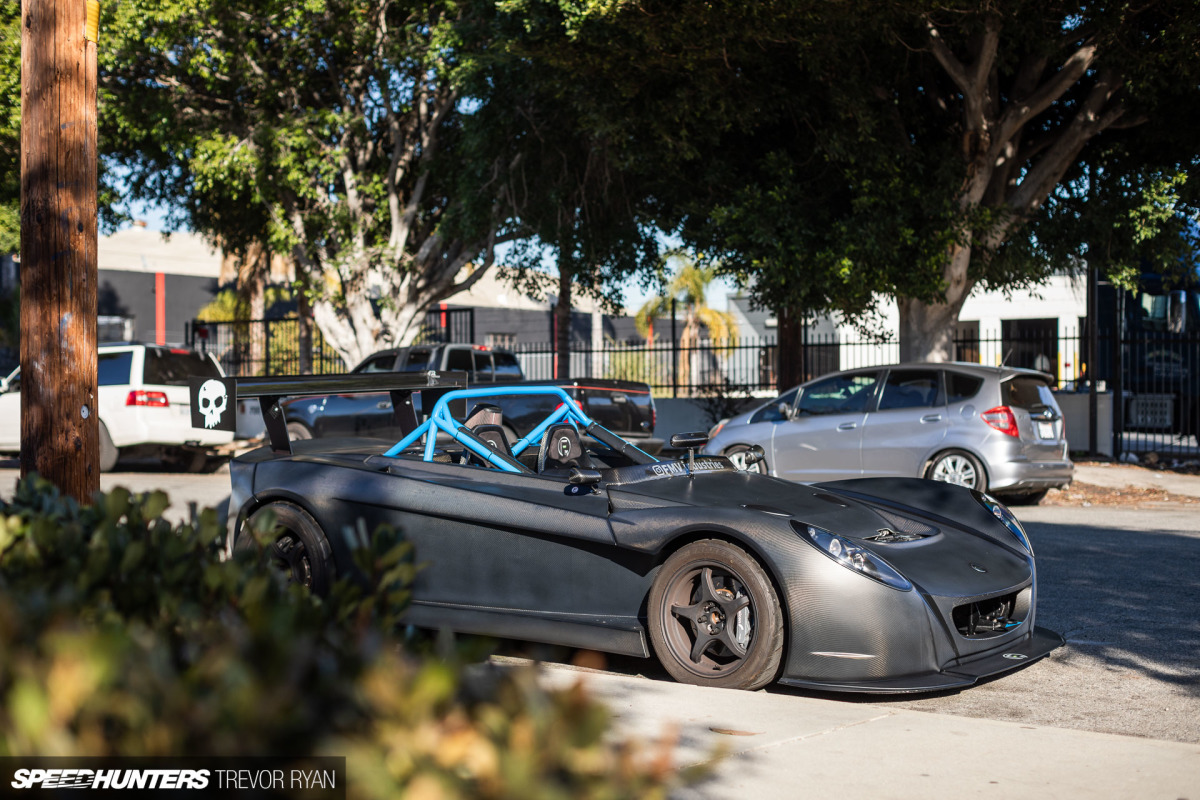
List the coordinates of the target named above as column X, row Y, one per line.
column 697, row 591
column 109, row 454
column 959, row 468
column 300, row 549
column 298, row 430
column 734, row 454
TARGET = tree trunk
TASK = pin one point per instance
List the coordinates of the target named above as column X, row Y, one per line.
column 562, row 326
column 59, row 420
column 927, row 329
column 789, row 349
column 304, row 327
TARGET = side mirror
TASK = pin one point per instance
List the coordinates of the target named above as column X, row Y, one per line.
column 1177, row 311
column 785, row 410
column 754, row 455
column 689, row 441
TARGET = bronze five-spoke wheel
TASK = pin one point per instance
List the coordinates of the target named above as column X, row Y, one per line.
column 714, row 617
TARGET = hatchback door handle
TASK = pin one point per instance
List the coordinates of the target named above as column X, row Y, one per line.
column 847, row 426
column 931, row 418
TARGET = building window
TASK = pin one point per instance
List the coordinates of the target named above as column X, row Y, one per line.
column 505, row 340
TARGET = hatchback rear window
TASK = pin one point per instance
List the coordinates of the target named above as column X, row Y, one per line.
column 112, row 369
column 174, row 367
column 1026, row 393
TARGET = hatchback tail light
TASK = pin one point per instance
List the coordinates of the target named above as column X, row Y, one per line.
column 1001, row 418
column 144, row 398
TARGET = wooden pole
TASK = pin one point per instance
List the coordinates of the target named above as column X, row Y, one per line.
column 59, row 424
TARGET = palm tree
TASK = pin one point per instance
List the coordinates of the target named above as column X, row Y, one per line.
column 689, row 288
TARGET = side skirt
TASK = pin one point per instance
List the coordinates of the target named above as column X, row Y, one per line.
column 621, row 635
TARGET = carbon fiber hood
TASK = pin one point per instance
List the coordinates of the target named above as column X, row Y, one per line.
column 956, row 550
column 755, row 493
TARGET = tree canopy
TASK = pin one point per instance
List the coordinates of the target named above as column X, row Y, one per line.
column 833, row 153
column 341, row 132
column 10, row 128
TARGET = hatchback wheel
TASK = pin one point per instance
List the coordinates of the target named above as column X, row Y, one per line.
column 737, row 457
column 959, row 468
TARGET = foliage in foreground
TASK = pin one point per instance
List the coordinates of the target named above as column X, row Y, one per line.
column 125, row 635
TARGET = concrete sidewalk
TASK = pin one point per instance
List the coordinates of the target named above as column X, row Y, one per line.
column 1119, row 476
column 784, row 745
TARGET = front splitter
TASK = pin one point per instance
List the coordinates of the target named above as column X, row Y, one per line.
column 958, row 675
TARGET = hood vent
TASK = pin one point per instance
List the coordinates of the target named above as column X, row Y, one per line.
column 902, row 524
column 888, row 536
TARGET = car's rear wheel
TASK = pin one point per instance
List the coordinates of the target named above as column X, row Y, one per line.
column 109, row 454
column 298, row 430
column 299, row 548
column 737, row 456
column 715, row 619
column 959, row 468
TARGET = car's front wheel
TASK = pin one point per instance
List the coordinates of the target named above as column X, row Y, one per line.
column 959, row 468
column 715, row 619
column 737, row 457
column 299, row 548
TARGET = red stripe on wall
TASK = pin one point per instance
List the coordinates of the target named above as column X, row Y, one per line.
column 160, row 308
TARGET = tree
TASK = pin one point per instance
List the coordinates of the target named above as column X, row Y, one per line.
column 833, row 153
column 689, row 286
column 10, row 128
column 341, row 132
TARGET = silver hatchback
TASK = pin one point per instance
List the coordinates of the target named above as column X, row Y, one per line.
column 994, row 429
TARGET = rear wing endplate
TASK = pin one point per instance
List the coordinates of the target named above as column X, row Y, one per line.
column 400, row 385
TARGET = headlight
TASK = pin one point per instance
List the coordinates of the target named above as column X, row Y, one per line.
column 1001, row 512
column 853, row 556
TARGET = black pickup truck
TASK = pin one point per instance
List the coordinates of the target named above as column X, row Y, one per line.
column 624, row 407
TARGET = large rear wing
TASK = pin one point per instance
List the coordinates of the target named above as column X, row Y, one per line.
column 400, row 385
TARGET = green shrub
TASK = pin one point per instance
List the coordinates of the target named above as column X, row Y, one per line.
column 124, row 635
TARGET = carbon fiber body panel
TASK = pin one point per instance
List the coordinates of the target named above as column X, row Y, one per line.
column 532, row 557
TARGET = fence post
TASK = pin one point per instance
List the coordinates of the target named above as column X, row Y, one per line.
column 674, row 354
column 266, row 347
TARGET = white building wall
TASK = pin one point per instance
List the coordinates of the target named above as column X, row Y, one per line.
column 1062, row 297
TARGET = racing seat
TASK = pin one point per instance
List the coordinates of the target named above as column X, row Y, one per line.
column 561, row 449
column 483, row 414
column 494, row 436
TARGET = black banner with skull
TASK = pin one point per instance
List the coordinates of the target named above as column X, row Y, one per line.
column 213, row 402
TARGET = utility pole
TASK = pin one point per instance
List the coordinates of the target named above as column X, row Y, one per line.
column 59, row 424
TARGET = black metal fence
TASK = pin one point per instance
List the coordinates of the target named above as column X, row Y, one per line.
column 263, row 347
column 1150, row 383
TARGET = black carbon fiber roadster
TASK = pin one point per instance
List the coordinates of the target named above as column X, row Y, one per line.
column 571, row 535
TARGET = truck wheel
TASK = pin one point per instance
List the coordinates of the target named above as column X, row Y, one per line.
column 298, row 430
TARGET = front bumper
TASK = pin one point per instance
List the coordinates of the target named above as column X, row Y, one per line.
column 958, row 674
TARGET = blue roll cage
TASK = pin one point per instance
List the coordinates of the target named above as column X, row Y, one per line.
column 440, row 419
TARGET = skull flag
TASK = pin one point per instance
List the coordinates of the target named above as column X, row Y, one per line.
column 213, row 403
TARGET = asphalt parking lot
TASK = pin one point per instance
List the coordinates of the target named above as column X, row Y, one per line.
column 1118, row 582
